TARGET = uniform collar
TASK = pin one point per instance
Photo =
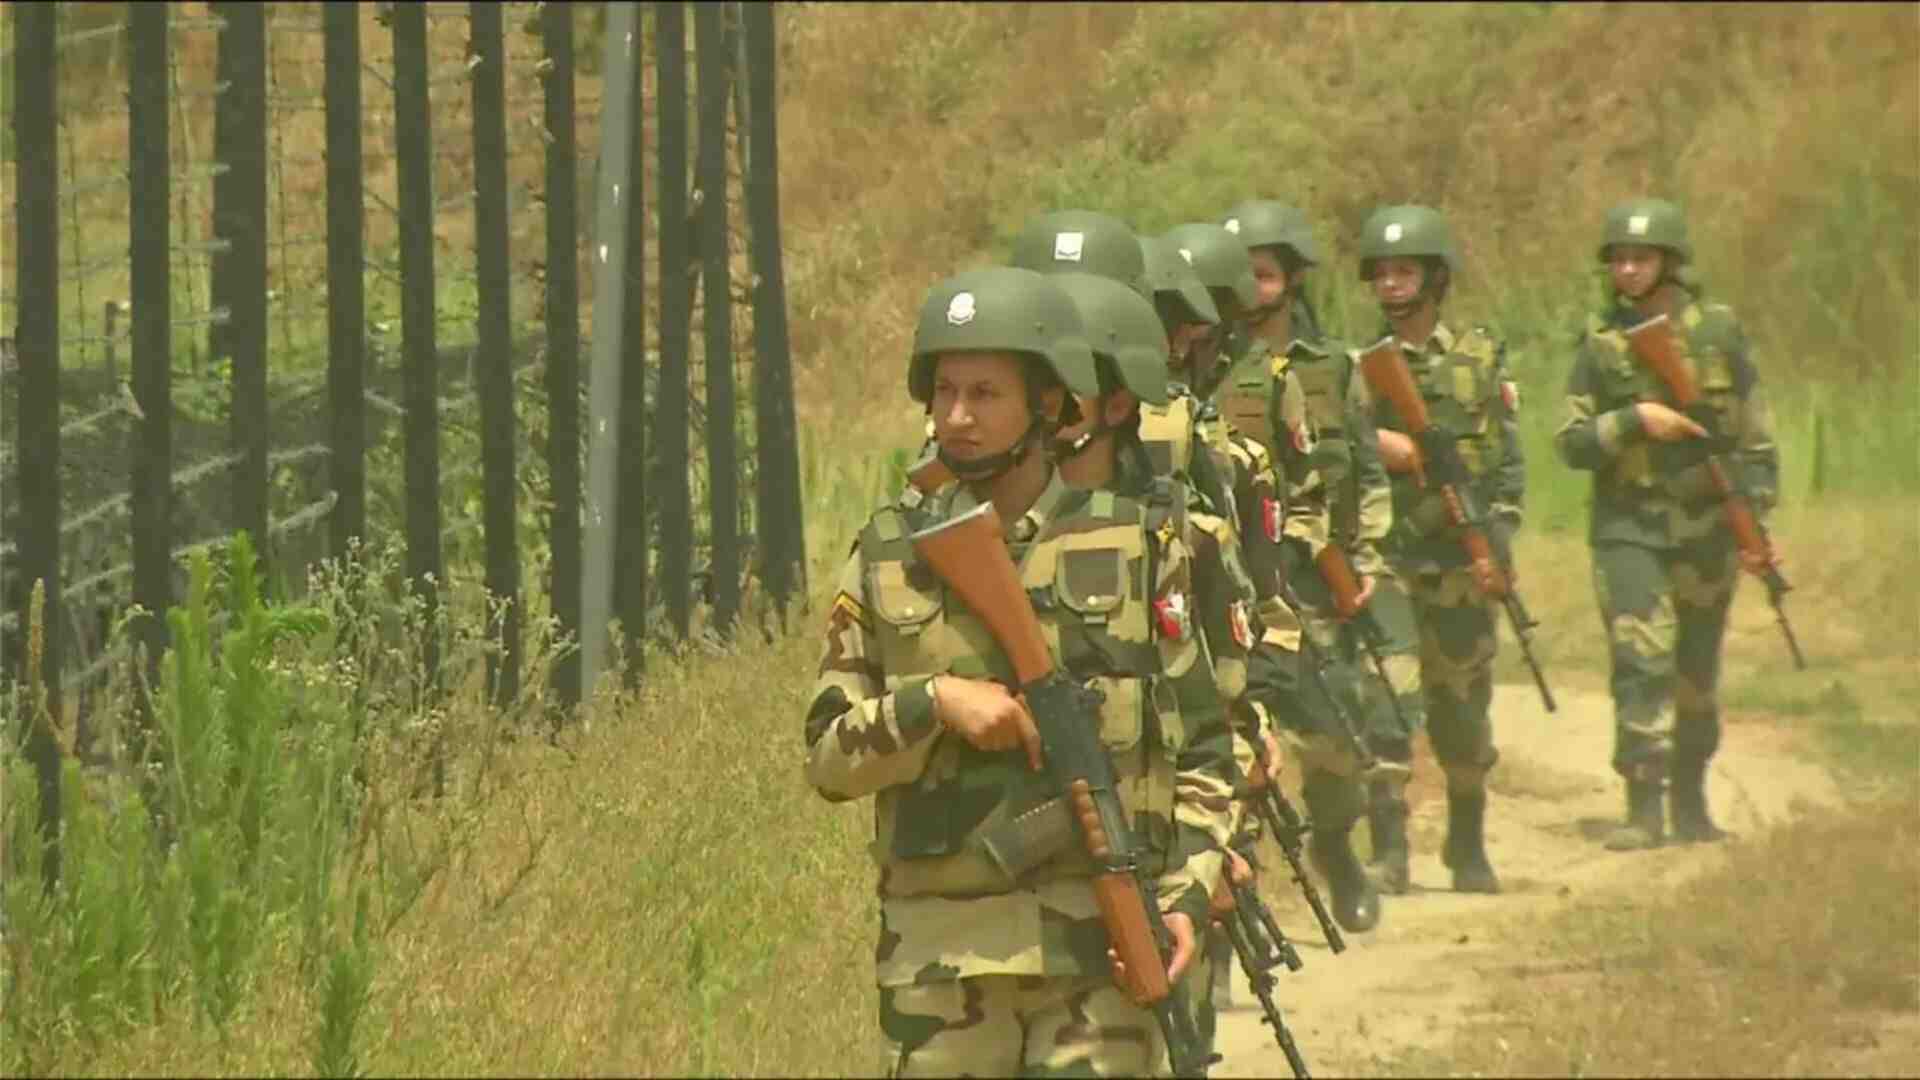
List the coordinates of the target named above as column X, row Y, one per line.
column 1313, row 346
column 1440, row 342
column 1035, row 520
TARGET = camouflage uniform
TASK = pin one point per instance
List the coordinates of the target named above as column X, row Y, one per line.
column 1664, row 562
column 992, row 954
column 1470, row 393
column 1233, row 483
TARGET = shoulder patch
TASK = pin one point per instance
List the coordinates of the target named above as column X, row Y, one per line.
column 846, row 606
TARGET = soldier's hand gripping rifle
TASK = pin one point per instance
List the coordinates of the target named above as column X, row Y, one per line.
column 1288, row 829
column 1344, row 585
column 1436, row 461
column 1261, row 946
column 968, row 554
column 1656, row 346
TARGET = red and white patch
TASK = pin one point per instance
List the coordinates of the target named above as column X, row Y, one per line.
column 1302, row 438
column 1170, row 612
column 1270, row 518
column 1510, row 393
column 1242, row 623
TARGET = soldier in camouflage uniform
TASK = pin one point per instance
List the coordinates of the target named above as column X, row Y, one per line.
column 1407, row 255
column 1259, row 394
column 1342, row 498
column 1664, row 561
column 1107, row 448
column 992, row 957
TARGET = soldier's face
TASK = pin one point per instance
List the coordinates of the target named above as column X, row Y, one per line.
column 1635, row 268
column 1269, row 276
column 1397, row 280
column 980, row 403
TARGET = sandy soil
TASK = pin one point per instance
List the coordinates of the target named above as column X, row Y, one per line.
column 1407, row 983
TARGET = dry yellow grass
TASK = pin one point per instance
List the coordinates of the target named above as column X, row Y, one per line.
column 692, row 908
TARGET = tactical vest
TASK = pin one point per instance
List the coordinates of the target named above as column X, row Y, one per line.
column 1167, row 433
column 1248, row 389
column 1710, row 345
column 1462, row 391
column 1089, row 573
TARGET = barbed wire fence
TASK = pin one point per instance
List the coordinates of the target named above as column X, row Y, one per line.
column 187, row 319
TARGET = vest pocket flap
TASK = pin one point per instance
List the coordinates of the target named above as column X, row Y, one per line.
column 1467, row 386
column 1091, row 581
column 1121, row 714
column 898, row 599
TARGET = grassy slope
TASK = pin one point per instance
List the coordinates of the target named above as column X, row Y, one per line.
column 681, row 861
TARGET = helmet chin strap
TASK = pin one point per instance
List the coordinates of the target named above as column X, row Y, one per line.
column 1068, row 449
column 993, row 466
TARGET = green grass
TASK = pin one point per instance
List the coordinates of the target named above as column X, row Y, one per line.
column 597, row 905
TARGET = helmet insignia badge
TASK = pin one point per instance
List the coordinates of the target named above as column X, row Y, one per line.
column 1392, row 235
column 1637, row 225
column 960, row 309
column 1067, row 245
column 1187, row 254
column 1232, row 226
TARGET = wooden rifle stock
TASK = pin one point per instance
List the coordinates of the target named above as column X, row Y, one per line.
column 1122, row 907
column 1384, row 367
column 1656, row 344
column 1340, row 579
column 930, row 474
column 969, row 554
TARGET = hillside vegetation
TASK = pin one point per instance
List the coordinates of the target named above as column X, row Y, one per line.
column 659, row 893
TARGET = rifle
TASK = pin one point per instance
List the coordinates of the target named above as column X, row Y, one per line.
column 1261, row 946
column 1656, row 345
column 1436, row 457
column 1287, row 828
column 1317, row 663
column 969, row 554
column 1338, row 574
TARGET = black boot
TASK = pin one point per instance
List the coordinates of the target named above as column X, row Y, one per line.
column 1646, row 826
column 1387, row 818
column 1465, row 852
column 1356, row 903
column 1687, row 804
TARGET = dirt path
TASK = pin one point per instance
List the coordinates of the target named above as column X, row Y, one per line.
column 1407, row 984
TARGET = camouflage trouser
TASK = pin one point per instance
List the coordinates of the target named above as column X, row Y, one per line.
column 1457, row 644
column 1206, row 978
column 1390, row 730
column 1330, row 772
column 1019, row 1025
column 1665, row 611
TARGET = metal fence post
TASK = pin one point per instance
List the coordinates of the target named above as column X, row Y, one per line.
column 37, row 347
column 243, row 46
column 676, row 297
column 346, row 284
column 609, row 262
column 494, row 352
column 563, row 342
column 413, row 153
column 631, row 539
column 782, row 533
column 149, row 192
column 716, row 319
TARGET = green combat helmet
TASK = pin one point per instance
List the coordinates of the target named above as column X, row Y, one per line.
column 1082, row 242
column 1266, row 223
column 1002, row 308
column 1124, row 330
column 1219, row 259
column 1653, row 222
column 1174, row 287
column 1406, row 231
